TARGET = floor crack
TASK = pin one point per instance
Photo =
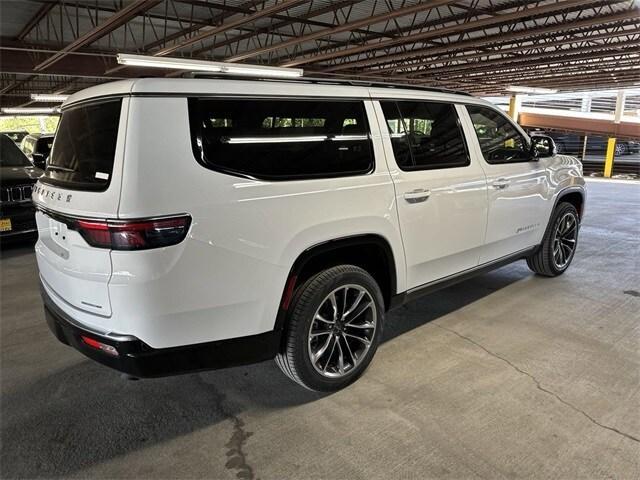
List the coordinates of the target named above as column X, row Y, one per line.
column 539, row 385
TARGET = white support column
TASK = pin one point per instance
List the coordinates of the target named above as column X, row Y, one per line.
column 515, row 102
column 620, row 102
column 611, row 144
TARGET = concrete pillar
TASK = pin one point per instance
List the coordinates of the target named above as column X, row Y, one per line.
column 515, row 102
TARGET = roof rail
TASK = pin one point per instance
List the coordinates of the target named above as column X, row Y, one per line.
column 327, row 81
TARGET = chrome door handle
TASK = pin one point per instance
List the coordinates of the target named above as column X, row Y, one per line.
column 418, row 195
column 501, row 183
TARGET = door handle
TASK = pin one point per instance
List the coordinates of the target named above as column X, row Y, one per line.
column 418, row 195
column 501, row 184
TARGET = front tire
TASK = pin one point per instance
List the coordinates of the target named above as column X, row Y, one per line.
column 620, row 149
column 333, row 330
column 559, row 243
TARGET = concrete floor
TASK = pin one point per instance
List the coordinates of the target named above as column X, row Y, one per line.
column 507, row 375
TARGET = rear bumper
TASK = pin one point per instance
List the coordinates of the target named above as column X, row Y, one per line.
column 138, row 359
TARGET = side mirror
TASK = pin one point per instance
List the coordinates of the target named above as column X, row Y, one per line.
column 542, row 146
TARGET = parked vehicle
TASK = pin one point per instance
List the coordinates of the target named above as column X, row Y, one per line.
column 17, row 177
column 573, row 144
column 37, row 148
column 245, row 220
column 16, row 136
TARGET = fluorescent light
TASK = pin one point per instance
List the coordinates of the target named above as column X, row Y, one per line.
column 29, row 111
column 206, row 66
column 518, row 89
column 235, row 140
column 294, row 139
column 349, row 138
column 48, row 97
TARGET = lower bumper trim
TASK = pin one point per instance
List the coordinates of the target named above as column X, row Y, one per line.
column 138, row 359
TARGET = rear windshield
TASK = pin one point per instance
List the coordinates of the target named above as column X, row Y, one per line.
column 84, row 148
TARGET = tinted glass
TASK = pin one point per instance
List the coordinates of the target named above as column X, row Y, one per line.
column 84, row 147
column 282, row 139
column 429, row 131
column 398, row 135
column 43, row 146
column 500, row 141
column 10, row 154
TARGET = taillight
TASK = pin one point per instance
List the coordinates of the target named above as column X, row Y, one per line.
column 134, row 235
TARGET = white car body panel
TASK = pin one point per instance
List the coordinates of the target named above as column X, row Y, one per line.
column 457, row 205
column 226, row 279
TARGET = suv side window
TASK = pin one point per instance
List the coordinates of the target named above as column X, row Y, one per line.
column 425, row 135
column 281, row 139
column 499, row 139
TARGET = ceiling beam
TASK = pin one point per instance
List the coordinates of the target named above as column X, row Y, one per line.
column 333, row 7
column 521, row 49
column 497, row 65
column 349, row 26
column 566, row 55
column 522, row 34
column 114, row 21
column 437, row 33
column 42, row 12
column 215, row 20
column 230, row 25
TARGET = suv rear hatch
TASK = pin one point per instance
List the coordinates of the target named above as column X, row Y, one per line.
column 81, row 183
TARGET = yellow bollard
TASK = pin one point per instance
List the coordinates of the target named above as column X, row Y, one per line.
column 608, row 161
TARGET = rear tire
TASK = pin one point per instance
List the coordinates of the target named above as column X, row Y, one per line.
column 333, row 329
column 559, row 243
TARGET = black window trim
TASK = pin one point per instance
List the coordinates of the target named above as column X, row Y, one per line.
column 417, row 168
column 515, row 125
column 194, row 126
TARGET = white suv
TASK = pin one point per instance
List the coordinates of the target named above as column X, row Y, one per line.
column 190, row 224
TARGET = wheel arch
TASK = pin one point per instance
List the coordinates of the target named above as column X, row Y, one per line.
column 372, row 252
column 573, row 195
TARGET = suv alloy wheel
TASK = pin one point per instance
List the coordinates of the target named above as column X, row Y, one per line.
column 333, row 330
column 558, row 244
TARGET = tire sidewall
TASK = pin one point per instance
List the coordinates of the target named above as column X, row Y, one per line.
column 303, row 312
column 560, row 212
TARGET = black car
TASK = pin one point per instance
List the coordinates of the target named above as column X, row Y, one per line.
column 17, row 176
column 37, row 148
column 573, row 144
column 16, row 136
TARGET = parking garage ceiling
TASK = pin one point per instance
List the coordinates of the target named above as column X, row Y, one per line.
column 478, row 46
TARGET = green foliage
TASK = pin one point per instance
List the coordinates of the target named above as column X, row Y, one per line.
column 30, row 124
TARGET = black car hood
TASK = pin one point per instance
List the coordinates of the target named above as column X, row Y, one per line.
column 19, row 175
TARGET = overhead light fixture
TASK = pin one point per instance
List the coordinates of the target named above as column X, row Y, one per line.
column 518, row 89
column 48, row 97
column 29, row 110
column 205, row 66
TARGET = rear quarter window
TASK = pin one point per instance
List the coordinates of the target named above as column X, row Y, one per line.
column 281, row 139
column 84, row 148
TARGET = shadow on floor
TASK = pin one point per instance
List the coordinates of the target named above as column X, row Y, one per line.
column 85, row 414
